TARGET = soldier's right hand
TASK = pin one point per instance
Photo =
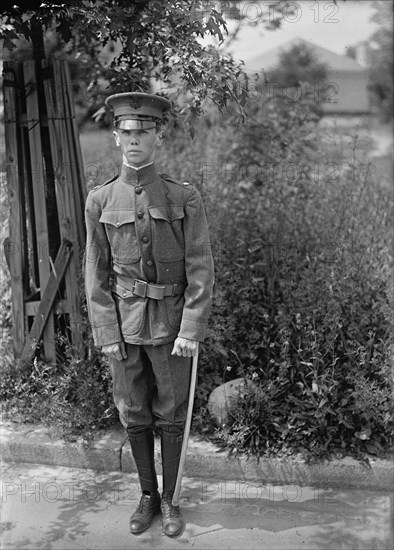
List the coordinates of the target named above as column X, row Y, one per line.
column 115, row 351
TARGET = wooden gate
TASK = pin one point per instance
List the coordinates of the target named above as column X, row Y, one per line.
column 47, row 192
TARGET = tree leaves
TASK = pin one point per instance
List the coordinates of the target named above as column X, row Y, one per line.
column 155, row 41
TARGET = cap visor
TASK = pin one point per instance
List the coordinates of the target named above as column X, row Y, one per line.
column 135, row 124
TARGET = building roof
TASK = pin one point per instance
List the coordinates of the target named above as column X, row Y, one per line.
column 332, row 60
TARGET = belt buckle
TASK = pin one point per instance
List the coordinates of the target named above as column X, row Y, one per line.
column 140, row 288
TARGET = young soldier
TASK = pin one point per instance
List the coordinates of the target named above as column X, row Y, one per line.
column 149, row 279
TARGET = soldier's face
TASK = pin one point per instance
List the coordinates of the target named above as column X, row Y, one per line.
column 137, row 146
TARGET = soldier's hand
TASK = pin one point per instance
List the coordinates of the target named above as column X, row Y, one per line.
column 115, row 351
column 184, row 347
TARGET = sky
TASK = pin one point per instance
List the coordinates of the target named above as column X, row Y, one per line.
column 321, row 22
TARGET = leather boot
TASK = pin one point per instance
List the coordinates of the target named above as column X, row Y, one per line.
column 148, row 508
column 171, row 446
column 142, row 446
column 172, row 519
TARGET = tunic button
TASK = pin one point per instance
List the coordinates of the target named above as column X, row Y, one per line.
column 140, row 215
column 149, row 262
column 145, row 239
column 124, row 294
column 117, row 224
column 138, row 190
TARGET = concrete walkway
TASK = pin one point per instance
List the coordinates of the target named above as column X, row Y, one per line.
column 52, row 507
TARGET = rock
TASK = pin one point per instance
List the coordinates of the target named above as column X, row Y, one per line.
column 220, row 399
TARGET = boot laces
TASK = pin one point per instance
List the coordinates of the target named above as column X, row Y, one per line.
column 146, row 504
column 169, row 510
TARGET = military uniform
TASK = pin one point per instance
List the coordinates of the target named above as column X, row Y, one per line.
column 142, row 228
column 149, row 279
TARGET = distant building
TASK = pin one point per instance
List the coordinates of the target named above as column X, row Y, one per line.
column 345, row 91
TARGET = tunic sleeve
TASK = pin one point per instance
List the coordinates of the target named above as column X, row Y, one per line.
column 101, row 305
column 199, row 270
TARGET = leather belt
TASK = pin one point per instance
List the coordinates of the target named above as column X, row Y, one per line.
column 148, row 290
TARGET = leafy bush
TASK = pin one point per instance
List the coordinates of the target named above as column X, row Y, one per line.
column 303, row 293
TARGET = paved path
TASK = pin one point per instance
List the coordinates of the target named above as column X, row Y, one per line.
column 49, row 507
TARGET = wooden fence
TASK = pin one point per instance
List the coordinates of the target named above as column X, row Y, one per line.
column 47, row 192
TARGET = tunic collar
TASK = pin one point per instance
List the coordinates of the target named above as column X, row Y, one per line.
column 138, row 176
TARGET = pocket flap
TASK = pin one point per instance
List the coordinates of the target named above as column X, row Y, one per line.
column 167, row 213
column 121, row 291
column 117, row 217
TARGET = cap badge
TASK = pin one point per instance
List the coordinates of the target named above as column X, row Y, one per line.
column 136, row 102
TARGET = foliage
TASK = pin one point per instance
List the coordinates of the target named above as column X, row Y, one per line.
column 303, row 294
column 298, row 64
column 72, row 397
column 159, row 42
column 6, row 351
column 381, row 72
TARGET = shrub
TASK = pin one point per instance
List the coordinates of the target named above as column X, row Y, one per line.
column 303, row 291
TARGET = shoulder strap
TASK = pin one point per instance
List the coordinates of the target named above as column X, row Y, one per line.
column 105, row 183
column 168, row 178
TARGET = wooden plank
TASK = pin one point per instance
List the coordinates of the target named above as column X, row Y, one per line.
column 32, row 282
column 31, row 308
column 64, row 89
column 75, row 133
column 39, row 196
column 24, row 177
column 45, row 307
column 15, row 191
column 66, row 201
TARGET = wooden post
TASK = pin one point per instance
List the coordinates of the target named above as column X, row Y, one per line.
column 32, row 277
column 15, row 192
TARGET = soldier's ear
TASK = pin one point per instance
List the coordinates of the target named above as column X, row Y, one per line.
column 159, row 138
column 116, row 136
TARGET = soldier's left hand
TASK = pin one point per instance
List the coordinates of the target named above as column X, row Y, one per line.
column 184, row 347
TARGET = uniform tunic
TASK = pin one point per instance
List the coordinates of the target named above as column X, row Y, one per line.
column 145, row 226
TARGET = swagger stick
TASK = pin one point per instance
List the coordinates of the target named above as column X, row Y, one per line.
column 182, row 460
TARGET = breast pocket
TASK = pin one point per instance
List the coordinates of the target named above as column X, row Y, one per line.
column 167, row 233
column 120, row 229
